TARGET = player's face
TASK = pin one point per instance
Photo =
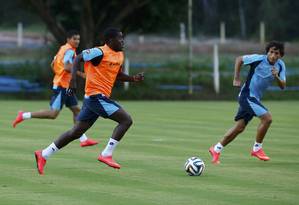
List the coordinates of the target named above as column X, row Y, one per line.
column 117, row 43
column 74, row 41
column 273, row 55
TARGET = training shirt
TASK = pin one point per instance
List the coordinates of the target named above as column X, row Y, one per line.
column 66, row 54
column 260, row 76
column 102, row 65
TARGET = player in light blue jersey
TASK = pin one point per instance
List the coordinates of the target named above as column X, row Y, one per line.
column 264, row 69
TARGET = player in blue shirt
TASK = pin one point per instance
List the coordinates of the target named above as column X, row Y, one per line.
column 264, row 69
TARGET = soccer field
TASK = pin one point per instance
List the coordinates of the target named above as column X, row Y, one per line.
column 152, row 155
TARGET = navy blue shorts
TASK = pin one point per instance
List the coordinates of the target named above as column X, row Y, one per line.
column 95, row 106
column 60, row 98
column 248, row 108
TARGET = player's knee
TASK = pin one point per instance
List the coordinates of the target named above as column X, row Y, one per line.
column 128, row 122
column 240, row 128
column 53, row 115
column 268, row 120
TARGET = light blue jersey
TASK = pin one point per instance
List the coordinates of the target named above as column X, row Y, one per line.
column 69, row 56
column 260, row 75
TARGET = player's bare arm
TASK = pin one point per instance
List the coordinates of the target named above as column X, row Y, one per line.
column 135, row 78
column 68, row 67
column 76, row 67
column 238, row 65
column 281, row 83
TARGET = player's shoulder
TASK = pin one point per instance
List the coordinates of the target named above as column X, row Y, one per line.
column 91, row 53
column 281, row 63
column 252, row 58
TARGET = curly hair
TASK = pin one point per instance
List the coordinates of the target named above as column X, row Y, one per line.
column 277, row 46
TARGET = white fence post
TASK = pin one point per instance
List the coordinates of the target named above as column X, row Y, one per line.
column 126, row 71
column 182, row 34
column 222, row 32
column 216, row 69
column 141, row 39
column 20, row 34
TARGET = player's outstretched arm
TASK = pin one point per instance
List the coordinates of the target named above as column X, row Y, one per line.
column 126, row 78
column 238, row 65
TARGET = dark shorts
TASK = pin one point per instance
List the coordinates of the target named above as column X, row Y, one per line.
column 95, row 106
column 248, row 108
column 60, row 98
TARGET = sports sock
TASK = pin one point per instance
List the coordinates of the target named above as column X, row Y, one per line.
column 218, row 147
column 83, row 138
column 51, row 149
column 109, row 147
column 257, row 146
column 26, row 115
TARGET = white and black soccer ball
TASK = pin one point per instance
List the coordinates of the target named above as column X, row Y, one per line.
column 194, row 166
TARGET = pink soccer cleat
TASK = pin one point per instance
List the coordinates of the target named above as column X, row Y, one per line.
column 214, row 155
column 40, row 161
column 18, row 119
column 88, row 142
column 260, row 155
column 109, row 161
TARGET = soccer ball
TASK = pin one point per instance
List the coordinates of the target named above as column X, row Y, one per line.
column 194, row 166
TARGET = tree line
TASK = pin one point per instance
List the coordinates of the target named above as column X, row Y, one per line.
column 91, row 17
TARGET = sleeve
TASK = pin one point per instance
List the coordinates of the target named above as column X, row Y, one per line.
column 248, row 59
column 282, row 71
column 68, row 56
column 92, row 53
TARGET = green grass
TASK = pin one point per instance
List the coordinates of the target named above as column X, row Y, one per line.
column 152, row 154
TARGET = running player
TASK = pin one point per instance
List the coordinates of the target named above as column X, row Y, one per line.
column 61, row 65
column 264, row 69
column 102, row 66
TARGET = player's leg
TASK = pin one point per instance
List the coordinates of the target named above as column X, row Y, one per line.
column 265, row 122
column 56, row 104
column 72, row 103
column 86, row 119
column 73, row 134
column 243, row 116
column 233, row 132
column 124, row 121
column 228, row 137
column 109, row 109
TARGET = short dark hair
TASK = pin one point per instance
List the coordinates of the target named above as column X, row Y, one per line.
column 72, row 33
column 277, row 45
column 110, row 33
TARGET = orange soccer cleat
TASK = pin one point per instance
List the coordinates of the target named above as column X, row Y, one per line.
column 88, row 142
column 109, row 161
column 260, row 154
column 214, row 155
column 18, row 119
column 40, row 161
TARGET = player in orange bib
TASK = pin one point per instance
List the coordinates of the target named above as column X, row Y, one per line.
column 61, row 65
column 102, row 66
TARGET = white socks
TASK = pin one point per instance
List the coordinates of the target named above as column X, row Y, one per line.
column 218, row 147
column 26, row 115
column 109, row 147
column 83, row 138
column 51, row 149
column 257, row 146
